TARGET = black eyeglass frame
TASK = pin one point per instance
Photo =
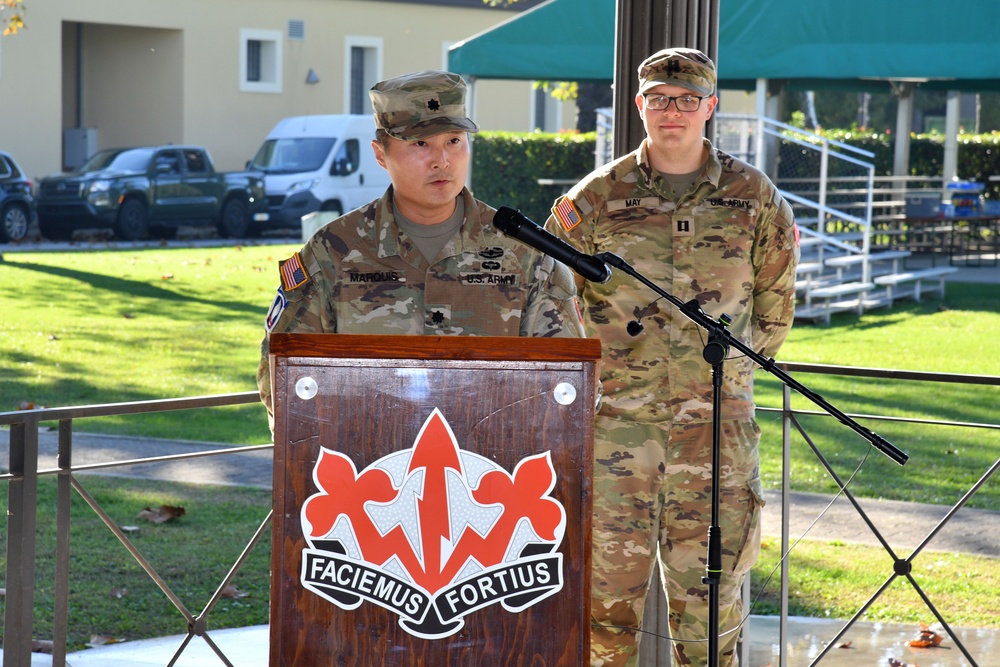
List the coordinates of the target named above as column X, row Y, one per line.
column 673, row 98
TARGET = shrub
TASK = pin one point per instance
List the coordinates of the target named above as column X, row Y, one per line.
column 506, row 167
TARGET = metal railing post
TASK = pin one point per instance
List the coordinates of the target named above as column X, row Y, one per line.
column 64, row 498
column 786, row 513
column 22, row 502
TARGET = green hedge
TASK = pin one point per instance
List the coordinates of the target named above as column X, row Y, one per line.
column 506, row 167
column 978, row 154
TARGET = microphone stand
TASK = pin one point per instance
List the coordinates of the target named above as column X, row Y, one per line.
column 716, row 349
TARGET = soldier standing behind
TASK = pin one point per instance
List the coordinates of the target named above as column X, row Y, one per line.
column 701, row 225
column 424, row 258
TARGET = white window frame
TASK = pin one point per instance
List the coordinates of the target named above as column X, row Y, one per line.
column 373, row 70
column 272, row 69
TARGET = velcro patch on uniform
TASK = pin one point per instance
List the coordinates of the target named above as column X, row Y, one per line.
column 437, row 316
column 730, row 202
column 292, row 273
column 375, row 277
column 471, row 278
column 634, row 202
column 567, row 213
column 683, row 227
column 277, row 308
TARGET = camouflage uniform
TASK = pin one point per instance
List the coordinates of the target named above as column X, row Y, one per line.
column 365, row 277
column 729, row 242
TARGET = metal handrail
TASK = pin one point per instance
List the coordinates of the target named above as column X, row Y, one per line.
column 22, row 479
column 656, row 646
column 24, row 473
column 901, row 566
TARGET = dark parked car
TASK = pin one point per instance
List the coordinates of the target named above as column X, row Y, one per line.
column 17, row 206
column 153, row 189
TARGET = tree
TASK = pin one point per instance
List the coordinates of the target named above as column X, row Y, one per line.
column 13, row 22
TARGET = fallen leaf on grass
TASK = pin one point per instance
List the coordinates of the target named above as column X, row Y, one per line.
column 167, row 276
column 927, row 638
column 119, row 592
column 161, row 514
column 104, row 640
column 230, row 591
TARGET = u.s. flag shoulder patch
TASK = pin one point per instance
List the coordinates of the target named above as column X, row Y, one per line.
column 567, row 213
column 292, row 273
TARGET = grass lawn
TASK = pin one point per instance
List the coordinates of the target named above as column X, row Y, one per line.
column 112, row 598
column 84, row 328
column 949, row 336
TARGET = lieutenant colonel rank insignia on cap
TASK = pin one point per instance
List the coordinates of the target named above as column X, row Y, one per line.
column 292, row 273
column 566, row 213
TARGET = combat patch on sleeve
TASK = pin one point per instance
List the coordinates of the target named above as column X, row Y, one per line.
column 292, row 273
column 567, row 213
column 277, row 308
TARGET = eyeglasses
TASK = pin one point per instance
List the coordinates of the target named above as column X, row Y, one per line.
column 682, row 102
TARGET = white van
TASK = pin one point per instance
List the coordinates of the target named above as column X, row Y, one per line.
column 319, row 163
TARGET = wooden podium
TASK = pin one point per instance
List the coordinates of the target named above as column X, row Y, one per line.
column 432, row 500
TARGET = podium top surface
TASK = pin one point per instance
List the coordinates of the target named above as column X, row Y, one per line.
column 465, row 348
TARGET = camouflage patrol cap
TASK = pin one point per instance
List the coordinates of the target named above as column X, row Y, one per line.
column 687, row 68
column 420, row 104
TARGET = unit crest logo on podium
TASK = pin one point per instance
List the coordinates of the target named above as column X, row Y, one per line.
column 433, row 533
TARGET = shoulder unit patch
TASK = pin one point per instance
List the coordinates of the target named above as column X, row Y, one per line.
column 567, row 213
column 292, row 273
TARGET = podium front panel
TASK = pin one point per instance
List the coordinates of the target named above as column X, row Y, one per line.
column 432, row 511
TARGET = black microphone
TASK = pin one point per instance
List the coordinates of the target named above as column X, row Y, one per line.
column 514, row 223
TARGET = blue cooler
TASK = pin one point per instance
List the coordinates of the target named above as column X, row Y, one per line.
column 967, row 197
column 923, row 204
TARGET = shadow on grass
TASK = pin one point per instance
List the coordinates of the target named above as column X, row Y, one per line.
column 137, row 288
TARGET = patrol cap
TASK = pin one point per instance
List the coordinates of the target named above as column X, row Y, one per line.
column 687, row 68
column 417, row 105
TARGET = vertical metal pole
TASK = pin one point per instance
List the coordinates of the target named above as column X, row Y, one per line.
column 786, row 513
column 22, row 501
column 760, row 150
column 824, row 165
column 64, row 491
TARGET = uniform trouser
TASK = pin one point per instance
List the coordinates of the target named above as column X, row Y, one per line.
column 652, row 498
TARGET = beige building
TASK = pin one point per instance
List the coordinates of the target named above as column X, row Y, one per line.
column 83, row 76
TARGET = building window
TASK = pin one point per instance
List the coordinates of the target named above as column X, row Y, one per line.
column 253, row 60
column 260, row 61
column 364, row 69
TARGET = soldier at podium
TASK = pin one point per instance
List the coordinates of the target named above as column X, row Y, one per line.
column 424, row 258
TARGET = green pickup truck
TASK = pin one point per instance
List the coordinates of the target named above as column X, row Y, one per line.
column 151, row 190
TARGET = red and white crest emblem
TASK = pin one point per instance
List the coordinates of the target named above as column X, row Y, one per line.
column 433, row 533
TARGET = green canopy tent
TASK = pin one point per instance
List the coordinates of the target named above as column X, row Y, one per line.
column 558, row 40
column 849, row 43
